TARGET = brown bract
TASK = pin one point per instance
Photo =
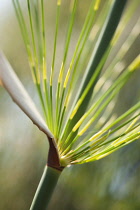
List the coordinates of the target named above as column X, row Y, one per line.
column 14, row 87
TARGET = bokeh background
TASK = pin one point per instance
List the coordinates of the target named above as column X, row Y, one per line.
column 112, row 183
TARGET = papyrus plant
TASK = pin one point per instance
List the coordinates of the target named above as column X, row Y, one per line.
column 78, row 98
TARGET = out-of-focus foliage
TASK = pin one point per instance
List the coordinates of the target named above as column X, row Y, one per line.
column 111, row 183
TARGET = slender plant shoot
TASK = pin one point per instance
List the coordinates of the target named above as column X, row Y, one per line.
column 77, row 98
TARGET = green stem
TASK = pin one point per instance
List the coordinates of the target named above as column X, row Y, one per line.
column 45, row 188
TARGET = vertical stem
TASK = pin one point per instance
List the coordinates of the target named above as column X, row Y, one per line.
column 45, row 188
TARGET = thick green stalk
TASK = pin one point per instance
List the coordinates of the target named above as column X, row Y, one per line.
column 45, row 188
column 102, row 44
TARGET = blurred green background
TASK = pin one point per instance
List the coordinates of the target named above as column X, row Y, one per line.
column 112, row 183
